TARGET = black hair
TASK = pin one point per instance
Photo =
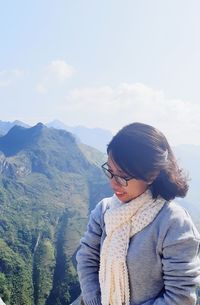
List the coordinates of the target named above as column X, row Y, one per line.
column 143, row 151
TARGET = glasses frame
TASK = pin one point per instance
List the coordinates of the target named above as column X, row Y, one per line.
column 120, row 180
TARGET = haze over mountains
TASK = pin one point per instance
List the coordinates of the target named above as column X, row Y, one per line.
column 95, row 137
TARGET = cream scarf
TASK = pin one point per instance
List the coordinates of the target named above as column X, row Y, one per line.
column 122, row 221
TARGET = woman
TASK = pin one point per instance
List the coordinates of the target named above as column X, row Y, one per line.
column 140, row 246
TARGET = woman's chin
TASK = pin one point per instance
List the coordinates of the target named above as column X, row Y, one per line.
column 125, row 197
column 122, row 196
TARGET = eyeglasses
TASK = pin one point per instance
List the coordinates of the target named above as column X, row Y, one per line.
column 123, row 181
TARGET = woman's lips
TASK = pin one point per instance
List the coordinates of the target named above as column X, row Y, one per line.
column 118, row 193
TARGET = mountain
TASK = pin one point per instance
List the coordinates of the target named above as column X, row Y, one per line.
column 6, row 126
column 95, row 137
column 49, row 183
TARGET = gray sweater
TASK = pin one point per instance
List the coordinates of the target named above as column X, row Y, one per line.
column 162, row 259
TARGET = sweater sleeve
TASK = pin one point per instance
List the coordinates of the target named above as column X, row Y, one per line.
column 181, row 263
column 88, row 259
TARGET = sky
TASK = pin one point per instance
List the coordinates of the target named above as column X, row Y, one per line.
column 102, row 64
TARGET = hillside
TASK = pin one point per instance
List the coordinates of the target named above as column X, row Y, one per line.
column 48, row 185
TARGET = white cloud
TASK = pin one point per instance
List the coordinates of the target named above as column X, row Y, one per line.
column 60, row 70
column 8, row 77
column 54, row 74
column 113, row 108
column 41, row 89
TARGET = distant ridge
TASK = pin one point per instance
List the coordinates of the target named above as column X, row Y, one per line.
column 95, row 137
column 6, row 126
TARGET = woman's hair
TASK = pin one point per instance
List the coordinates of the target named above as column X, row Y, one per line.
column 143, row 151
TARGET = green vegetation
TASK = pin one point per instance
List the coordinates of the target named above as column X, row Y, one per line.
column 48, row 184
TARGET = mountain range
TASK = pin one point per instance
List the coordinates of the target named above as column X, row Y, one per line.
column 94, row 137
column 49, row 182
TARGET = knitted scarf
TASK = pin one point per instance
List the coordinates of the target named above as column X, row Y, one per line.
column 122, row 221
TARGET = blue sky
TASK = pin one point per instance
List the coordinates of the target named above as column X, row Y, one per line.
column 102, row 64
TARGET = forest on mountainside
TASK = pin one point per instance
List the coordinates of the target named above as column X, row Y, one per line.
column 48, row 185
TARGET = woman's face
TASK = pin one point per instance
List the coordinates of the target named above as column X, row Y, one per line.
column 129, row 192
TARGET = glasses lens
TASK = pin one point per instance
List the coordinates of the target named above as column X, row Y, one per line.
column 107, row 173
column 121, row 180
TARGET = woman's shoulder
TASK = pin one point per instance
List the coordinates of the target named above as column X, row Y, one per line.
column 99, row 210
column 173, row 210
column 174, row 216
column 103, row 204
